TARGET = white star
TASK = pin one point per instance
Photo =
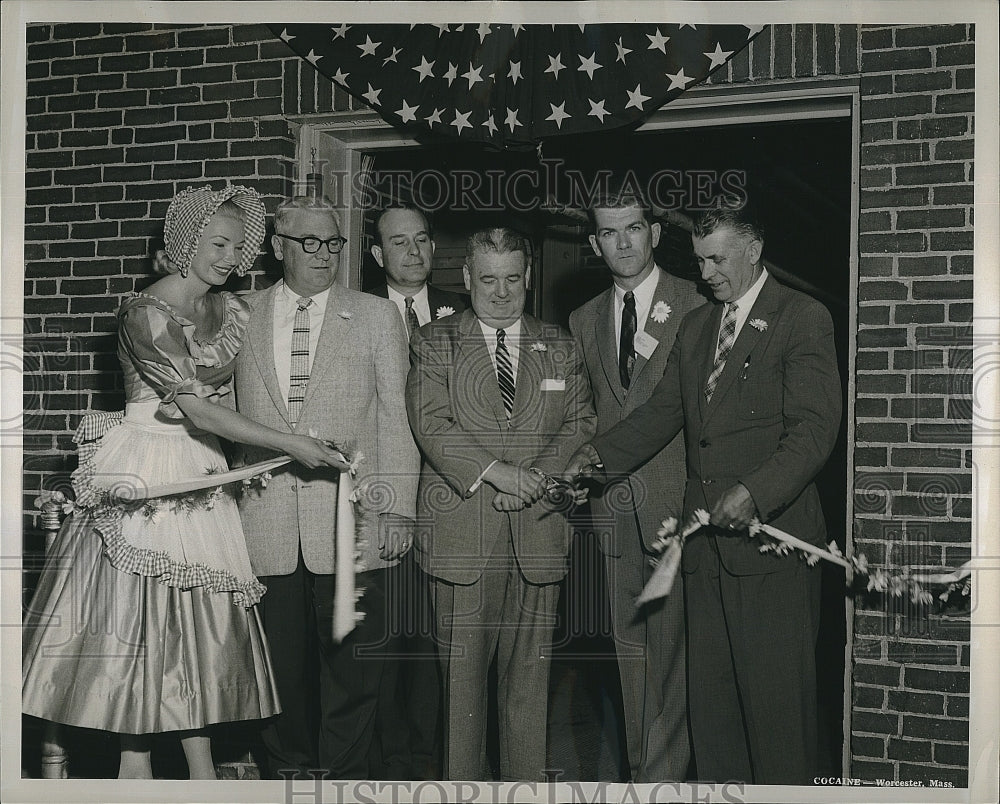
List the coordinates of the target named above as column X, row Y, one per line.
column 658, row 42
column 636, row 98
column 473, row 76
column 597, row 110
column 687, row 25
column 517, row 29
column 461, row 121
column 622, row 51
column 515, row 72
column 483, row 30
column 372, row 95
column 426, row 69
column 452, row 73
column 312, row 58
column 558, row 114
column 408, row 113
column 441, row 29
column 435, row 116
column 340, row 32
column 369, row 47
column 395, row 52
column 589, row 66
column 584, row 25
column 678, row 80
column 491, row 124
column 753, row 30
column 340, row 77
column 719, row 56
column 555, row 65
column 512, row 120
column 287, row 37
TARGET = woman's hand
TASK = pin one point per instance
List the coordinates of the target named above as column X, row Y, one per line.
column 314, row 452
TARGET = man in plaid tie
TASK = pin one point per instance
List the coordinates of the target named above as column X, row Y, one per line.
column 755, row 385
column 323, row 358
column 497, row 402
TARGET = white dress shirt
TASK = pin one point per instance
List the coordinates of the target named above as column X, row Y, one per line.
column 643, row 301
column 512, row 337
column 286, row 304
column 745, row 305
column 421, row 304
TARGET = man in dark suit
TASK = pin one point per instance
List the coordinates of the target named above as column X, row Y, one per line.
column 625, row 335
column 754, row 383
column 497, row 401
column 408, row 724
column 404, row 249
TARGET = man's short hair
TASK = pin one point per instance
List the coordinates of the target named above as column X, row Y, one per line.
column 404, row 206
column 741, row 218
column 495, row 240
column 619, row 193
column 286, row 207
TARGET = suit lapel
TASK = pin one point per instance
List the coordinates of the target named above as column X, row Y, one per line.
column 530, row 372
column 764, row 307
column 607, row 346
column 658, row 330
column 262, row 348
column 332, row 340
column 705, row 353
column 472, row 351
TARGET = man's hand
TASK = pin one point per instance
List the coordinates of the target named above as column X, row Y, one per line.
column 734, row 510
column 507, row 502
column 584, row 463
column 395, row 535
column 506, row 478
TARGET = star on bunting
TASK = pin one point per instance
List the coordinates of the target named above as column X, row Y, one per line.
column 719, row 56
column 589, row 65
column 622, row 51
column 512, row 120
column 369, row 47
column 408, row 113
column 636, row 98
column 555, row 65
column 473, row 76
column 425, row 69
column 558, row 114
column 678, row 80
column 461, row 121
column 658, row 42
column 597, row 109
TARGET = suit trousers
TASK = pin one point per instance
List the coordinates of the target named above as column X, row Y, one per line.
column 408, row 719
column 650, row 646
column 752, row 642
column 501, row 614
column 328, row 691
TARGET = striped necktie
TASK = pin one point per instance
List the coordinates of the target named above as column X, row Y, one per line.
column 727, row 336
column 412, row 322
column 298, row 377
column 626, row 341
column 505, row 373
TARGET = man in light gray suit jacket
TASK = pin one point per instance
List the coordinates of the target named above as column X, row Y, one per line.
column 497, row 400
column 325, row 359
column 625, row 336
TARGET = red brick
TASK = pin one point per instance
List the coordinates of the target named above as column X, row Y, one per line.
column 926, row 457
column 882, row 337
column 923, row 266
column 950, row 289
column 909, row 750
column 919, row 678
column 931, row 35
column 891, row 60
column 867, row 746
column 919, row 313
column 936, row 728
column 955, row 55
column 924, row 81
column 897, row 197
column 896, row 106
column 932, row 128
column 931, row 219
column 954, row 149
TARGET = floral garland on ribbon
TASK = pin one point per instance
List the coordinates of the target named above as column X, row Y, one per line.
column 670, row 542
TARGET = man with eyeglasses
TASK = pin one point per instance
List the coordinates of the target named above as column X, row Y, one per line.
column 325, row 359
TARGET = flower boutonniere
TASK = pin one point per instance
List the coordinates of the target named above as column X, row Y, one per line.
column 661, row 312
column 759, row 324
column 347, row 315
column 538, row 346
column 444, row 312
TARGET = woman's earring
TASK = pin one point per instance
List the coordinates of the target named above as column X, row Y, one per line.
column 183, row 271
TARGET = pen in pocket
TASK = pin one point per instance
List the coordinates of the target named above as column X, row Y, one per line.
column 746, row 368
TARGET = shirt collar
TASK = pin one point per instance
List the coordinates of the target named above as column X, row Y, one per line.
column 643, row 292
column 748, row 299
column 512, row 331
column 400, row 298
column 291, row 298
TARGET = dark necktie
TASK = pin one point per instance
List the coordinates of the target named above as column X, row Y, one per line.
column 626, row 342
column 412, row 323
column 299, row 365
column 727, row 336
column 505, row 373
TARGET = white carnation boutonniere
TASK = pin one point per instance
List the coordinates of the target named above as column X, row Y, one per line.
column 759, row 324
column 538, row 346
column 661, row 312
column 444, row 312
column 347, row 315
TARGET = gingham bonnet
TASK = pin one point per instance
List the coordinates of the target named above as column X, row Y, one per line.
column 190, row 212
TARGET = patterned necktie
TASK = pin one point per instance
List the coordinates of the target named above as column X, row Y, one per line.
column 626, row 341
column 505, row 373
column 727, row 336
column 298, row 377
column 412, row 322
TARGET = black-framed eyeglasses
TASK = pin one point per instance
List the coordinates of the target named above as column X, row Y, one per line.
column 310, row 245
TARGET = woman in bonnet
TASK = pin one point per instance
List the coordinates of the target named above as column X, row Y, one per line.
column 145, row 617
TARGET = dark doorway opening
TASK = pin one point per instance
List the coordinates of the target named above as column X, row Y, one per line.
column 799, row 175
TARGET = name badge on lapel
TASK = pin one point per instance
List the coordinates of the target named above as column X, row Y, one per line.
column 644, row 344
column 553, row 385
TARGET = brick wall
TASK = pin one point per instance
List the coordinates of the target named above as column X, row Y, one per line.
column 119, row 117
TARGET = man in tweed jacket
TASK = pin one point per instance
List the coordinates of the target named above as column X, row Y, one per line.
column 496, row 400
column 353, row 396
column 649, row 641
